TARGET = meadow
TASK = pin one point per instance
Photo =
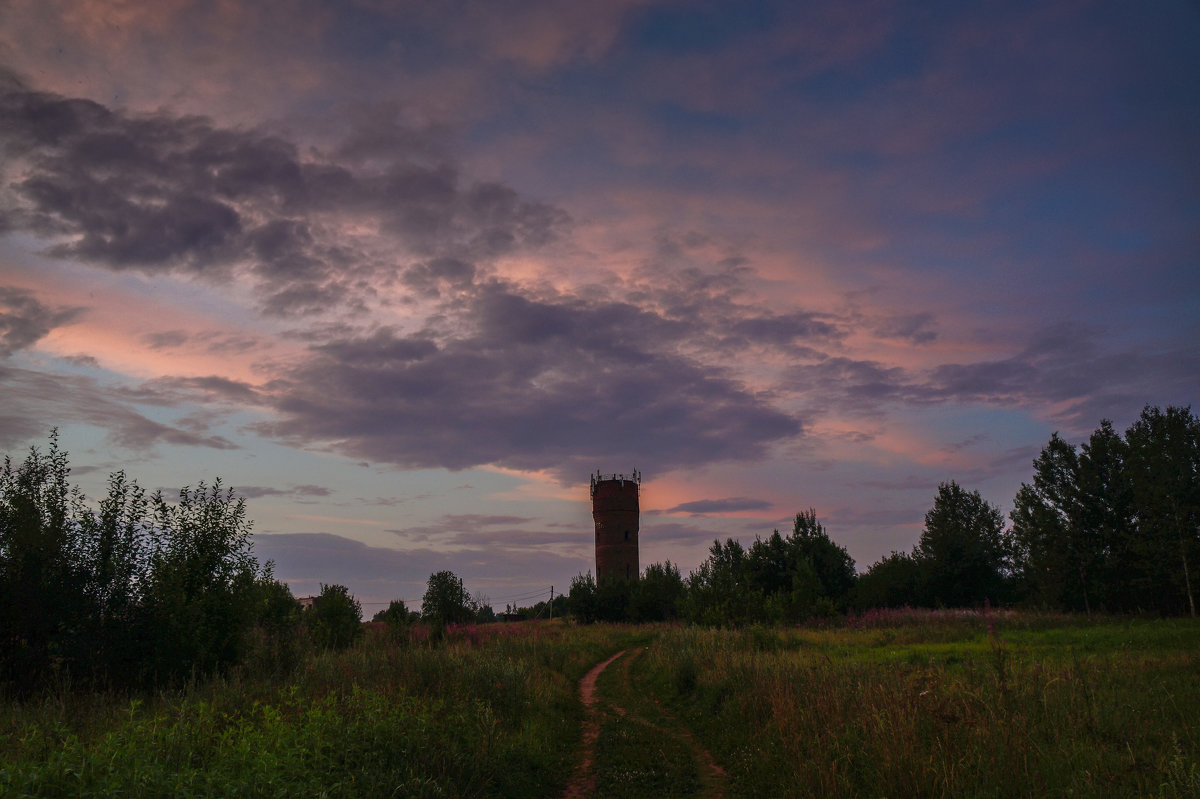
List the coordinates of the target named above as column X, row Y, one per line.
column 899, row 703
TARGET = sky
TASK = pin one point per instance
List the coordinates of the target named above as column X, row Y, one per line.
column 405, row 274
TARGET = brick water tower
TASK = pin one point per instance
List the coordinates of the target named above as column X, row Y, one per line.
column 615, row 510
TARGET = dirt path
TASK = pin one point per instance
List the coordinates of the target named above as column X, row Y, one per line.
column 713, row 778
column 583, row 784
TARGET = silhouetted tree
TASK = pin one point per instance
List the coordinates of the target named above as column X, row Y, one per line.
column 445, row 601
column 581, row 598
column 656, row 595
column 892, row 582
column 43, row 578
column 202, row 572
column 335, row 618
column 963, row 553
column 1164, row 480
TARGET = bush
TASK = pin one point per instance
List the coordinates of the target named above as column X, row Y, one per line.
column 335, row 618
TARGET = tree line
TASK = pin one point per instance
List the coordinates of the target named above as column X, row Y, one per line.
column 141, row 590
column 1110, row 526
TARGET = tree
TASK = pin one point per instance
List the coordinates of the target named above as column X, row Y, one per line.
column 275, row 625
column 1164, row 480
column 335, row 618
column 832, row 563
column 201, row 578
column 42, row 572
column 1057, row 556
column 138, row 590
column 581, row 598
column 656, row 595
column 717, row 591
column 892, row 582
column 445, row 601
column 963, row 552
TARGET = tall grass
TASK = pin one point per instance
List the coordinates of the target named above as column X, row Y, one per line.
column 486, row 712
column 943, row 706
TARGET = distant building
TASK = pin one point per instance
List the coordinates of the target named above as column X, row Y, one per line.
column 305, row 601
column 616, row 513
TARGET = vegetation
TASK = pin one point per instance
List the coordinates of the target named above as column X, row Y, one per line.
column 145, row 652
column 895, row 703
column 928, row 703
column 139, row 591
column 335, row 618
column 1113, row 527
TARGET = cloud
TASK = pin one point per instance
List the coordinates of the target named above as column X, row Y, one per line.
column 162, row 193
column 306, row 560
column 255, row 492
column 727, row 505
column 24, row 320
column 37, row 401
column 557, row 383
column 1068, row 372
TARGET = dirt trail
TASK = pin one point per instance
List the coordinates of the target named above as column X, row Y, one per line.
column 712, row 776
column 583, row 784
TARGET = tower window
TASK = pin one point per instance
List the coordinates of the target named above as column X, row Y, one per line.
column 626, row 535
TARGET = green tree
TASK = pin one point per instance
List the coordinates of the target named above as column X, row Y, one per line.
column 117, row 548
column 831, row 562
column 446, row 601
column 43, row 581
column 199, row 596
column 963, row 552
column 581, row 598
column 718, row 593
column 335, row 618
column 1164, row 480
column 894, row 581
column 1106, row 514
column 1058, row 558
column 657, row 594
column 275, row 625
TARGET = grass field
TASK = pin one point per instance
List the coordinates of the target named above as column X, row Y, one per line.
column 888, row 704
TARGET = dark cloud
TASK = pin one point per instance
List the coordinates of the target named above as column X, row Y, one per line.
column 727, row 505
column 178, row 193
column 556, row 383
column 167, row 391
column 917, row 328
column 166, row 339
column 1068, row 370
column 24, row 320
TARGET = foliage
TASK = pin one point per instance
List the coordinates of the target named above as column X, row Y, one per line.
column 776, row 580
column 1115, row 525
column 939, row 703
column 446, row 601
column 963, row 553
column 893, row 581
column 581, row 598
column 199, row 597
column 335, row 618
column 657, row 594
column 139, row 590
column 275, row 626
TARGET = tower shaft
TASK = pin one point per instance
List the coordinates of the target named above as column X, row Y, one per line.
column 616, row 513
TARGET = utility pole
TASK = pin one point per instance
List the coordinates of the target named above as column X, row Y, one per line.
column 551, row 603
